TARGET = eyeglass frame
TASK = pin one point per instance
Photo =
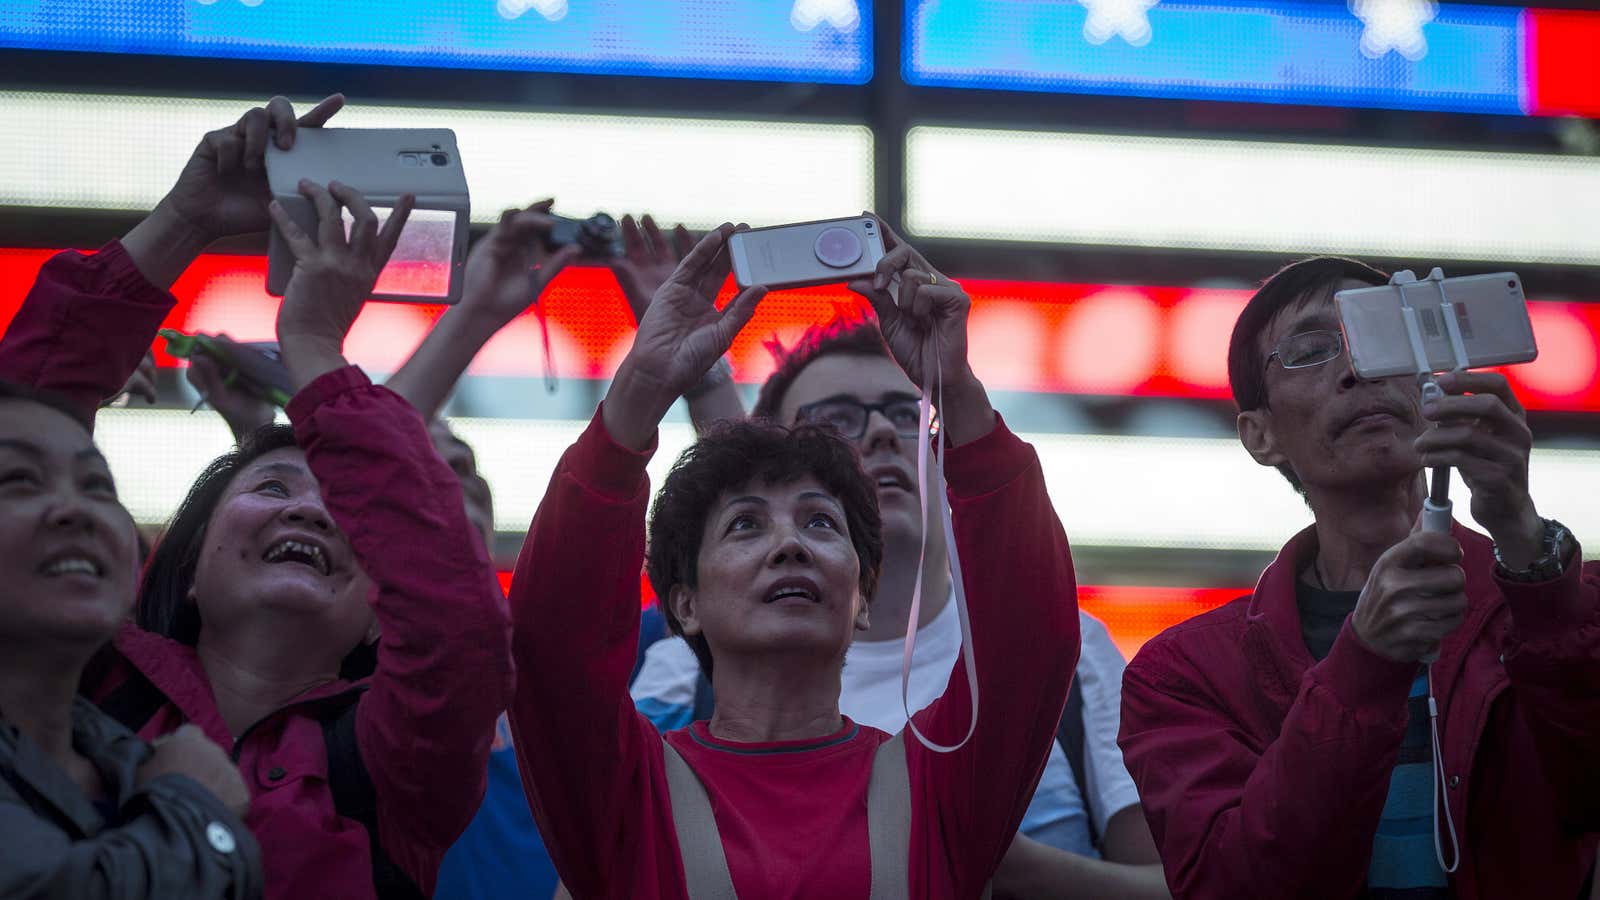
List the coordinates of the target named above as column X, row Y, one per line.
column 1277, row 349
column 801, row 414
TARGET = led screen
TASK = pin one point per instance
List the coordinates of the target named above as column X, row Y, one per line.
column 777, row 40
column 1400, row 54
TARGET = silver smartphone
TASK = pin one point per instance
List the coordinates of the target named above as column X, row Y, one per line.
column 383, row 164
column 807, row 253
column 1489, row 312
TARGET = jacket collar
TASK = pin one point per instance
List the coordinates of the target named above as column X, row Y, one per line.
column 175, row 669
column 1276, row 648
column 115, row 752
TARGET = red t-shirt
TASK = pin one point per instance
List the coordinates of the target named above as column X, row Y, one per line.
column 792, row 815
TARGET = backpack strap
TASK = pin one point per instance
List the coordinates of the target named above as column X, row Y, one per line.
column 705, row 865
column 1070, row 732
column 889, row 820
column 356, row 797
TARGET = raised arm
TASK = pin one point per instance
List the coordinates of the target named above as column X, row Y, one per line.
column 90, row 318
column 505, row 274
column 1016, row 568
column 444, row 670
column 585, row 755
column 649, row 259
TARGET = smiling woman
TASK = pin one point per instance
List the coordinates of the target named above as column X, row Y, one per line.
column 88, row 809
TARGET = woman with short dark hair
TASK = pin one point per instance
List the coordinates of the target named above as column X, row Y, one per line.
column 764, row 547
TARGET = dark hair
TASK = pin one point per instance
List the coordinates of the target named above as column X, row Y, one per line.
column 850, row 333
column 164, row 605
column 11, row 390
column 1295, row 283
column 736, row 453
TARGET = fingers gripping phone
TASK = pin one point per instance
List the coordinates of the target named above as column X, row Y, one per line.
column 383, row 164
column 1467, row 322
column 807, row 253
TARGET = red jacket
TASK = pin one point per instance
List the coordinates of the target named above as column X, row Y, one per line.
column 1264, row 773
column 792, row 815
column 425, row 719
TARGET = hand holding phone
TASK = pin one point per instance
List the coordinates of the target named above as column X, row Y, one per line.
column 382, row 164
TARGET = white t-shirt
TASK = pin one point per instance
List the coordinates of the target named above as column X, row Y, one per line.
column 870, row 694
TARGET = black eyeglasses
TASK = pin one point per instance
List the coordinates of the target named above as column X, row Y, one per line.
column 1307, row 349
column 850, row 415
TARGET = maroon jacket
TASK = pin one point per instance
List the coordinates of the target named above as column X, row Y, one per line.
column 424, row 720
column 1264, row 773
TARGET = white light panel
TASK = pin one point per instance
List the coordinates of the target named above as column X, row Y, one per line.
column 1252, row 196
column 1109, row 491
column 114, row 152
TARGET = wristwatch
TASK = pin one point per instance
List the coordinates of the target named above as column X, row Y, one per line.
column 1558, row 547
column 720, row 373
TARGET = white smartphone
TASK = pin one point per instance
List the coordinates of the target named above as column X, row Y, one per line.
column 806, row 253
column 1490, row 313
column 383, row 164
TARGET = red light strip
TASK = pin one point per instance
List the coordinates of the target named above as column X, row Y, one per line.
column 1025, row 336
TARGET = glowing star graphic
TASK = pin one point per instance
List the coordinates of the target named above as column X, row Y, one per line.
column 1394, row 25
column 841, row 14
column 554, row 10
column 1110, row 18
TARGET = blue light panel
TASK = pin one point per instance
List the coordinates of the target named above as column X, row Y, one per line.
column 768, row 40
column 1252, row 51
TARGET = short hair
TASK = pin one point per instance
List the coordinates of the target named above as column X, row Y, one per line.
column 735, row 453
column 850, row 333
column 1292, row 284
column 25, row 393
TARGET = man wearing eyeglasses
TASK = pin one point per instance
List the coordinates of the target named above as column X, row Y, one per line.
column 1282, row 743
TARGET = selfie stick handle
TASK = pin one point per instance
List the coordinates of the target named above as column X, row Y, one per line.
column 1436, row 517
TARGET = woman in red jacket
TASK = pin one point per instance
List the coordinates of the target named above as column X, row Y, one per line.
column 364, row 761
column 765, row 547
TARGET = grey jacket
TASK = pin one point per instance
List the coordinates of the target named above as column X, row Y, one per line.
column 167, row 839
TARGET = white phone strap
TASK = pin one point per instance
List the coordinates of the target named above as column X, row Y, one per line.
column 925, row 490
column 1438, row 780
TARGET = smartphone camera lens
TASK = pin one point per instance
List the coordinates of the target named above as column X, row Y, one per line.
column 838, row 248
column 439, row 159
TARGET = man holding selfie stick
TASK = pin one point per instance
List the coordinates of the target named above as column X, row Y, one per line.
column 1281, row 743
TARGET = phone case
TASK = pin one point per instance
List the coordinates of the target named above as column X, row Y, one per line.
column 807, row 253
column 1490, row 312
column 383, row 164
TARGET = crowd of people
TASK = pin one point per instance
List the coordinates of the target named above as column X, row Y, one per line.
column 313, row 685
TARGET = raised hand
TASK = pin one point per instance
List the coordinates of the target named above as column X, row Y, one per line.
column 923, row 317
column 333, row 276
column 681, row 335
column 649, row 259
column 508, row 269
column 1415, row 596
column 223, row 188
column 1483, row 433
column 243, row 411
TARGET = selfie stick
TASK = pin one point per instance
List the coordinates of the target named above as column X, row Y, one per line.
column 1436, row 508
